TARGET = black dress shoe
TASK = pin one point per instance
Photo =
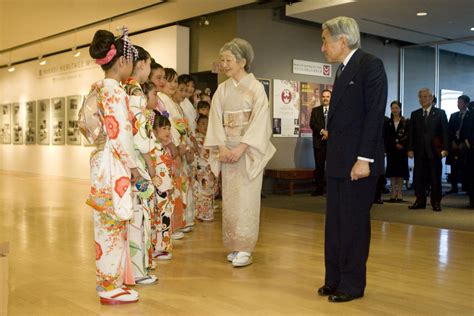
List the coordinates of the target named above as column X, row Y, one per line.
column 417, row 206
column 342, row 297
column 326, row 290
column 437, row 208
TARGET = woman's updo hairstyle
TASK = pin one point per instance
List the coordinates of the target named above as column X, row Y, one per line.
column 101, row 44
column 142, row 54
column 241, row 49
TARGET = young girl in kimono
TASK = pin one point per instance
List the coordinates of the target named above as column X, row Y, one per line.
column 114, row 169
column 158, row 78
column 203, row 178
column 178, row 129
column 239, row 138
column 163, row 182
column 183, row 123
column 141, row 248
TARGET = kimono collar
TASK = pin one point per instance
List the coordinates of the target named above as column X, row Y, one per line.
column 108, row 82
column 246, row 78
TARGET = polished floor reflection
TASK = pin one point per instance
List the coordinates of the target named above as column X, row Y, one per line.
column 412, row 270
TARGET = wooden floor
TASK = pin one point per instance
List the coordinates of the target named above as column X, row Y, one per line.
column 412, row 270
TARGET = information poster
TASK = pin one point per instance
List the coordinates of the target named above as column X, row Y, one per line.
column 6, row 124
column 30, row 123
column 73, row 134
column 44, row 121
column 286, row 108
column 58, row 125
column 17, row 124
column 310, row 98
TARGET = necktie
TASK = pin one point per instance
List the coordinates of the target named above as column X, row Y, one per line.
column 339, row 70
column 425, row 114
column 325, row 111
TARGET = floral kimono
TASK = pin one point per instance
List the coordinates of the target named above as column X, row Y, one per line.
column 203, row 182
column 141, row 248
column 164, row 202
column 111, row 192
column 178, row 170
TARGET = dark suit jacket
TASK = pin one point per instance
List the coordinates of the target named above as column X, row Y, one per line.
column 356, row 116
column 317, row 123
column 432, row 137
column 453, row 126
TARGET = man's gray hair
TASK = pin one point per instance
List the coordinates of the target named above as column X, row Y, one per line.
column 344, row 26
column 425, row 90
column 240, row 48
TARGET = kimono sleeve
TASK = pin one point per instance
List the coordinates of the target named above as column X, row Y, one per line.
column 140, row 138
column 119, row 129
column 258, row 135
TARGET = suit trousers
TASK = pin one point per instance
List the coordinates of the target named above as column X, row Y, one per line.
column 427, row 173
column 320, row 170
column 347, row 233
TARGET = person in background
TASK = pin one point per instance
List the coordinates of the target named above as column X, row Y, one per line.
column 396, row 141
column 428, row 143
column 203, row 108
column 157, row 77
column 320, row 136
column 457, row 150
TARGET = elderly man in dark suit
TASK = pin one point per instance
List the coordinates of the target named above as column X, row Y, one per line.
column 355, row 157
column 428, row 144
column 318, row 125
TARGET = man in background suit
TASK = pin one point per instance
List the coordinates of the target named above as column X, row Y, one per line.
column 457, row 150
column 428, row 144
column 320, row 136
column 355, row 157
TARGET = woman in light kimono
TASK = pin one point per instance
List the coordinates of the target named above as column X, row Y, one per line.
column 178, row 128
column 239, row 138
column 113, row 166
column 141, row 248
column 158, row 78
column 163, row 161
column 203, row 178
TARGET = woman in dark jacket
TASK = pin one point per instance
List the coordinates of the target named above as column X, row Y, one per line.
column 396, row 146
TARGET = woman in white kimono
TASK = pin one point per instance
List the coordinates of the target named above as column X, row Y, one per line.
column 105, row 120
column 139, row 230
column 238, row 135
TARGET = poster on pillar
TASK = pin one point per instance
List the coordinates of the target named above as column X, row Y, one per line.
column 57, row 124
column 73, row 134
column 17, row 124
column 30, row 123
column 310, row 98
column 6, row 124
column 43, row 121
column 286, row 108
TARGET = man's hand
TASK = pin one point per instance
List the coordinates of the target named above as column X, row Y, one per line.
column 444, row 153
column 410, row 154
column 325, row 134
column 360, row 170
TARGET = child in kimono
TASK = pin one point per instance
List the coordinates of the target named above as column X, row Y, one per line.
column 163, row 162
column 114, row 168
column 203, row 178
column 140, row 226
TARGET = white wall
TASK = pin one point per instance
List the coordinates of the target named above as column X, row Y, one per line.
column 65, row 75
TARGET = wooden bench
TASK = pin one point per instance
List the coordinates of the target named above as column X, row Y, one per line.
column 287, row 178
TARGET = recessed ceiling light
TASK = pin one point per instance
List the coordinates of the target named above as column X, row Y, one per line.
column 11, row 69
column 43, row 62
column 472, row 29
column 77, row 54
column 422, row 14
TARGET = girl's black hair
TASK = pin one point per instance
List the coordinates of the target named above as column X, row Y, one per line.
column 101, row 44
column 185, row 79
column 154, row 65
column 396, row 102
column 142, row 55
column 202, row 117
column 170, row 73
column 203, row 105
column 147, row 86
column 160, row 120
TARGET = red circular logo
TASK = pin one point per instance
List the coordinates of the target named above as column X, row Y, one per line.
column 286, row 96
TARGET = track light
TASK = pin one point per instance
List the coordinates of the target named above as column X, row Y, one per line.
column 11, row 68
column 77, row 53
column 42, row 61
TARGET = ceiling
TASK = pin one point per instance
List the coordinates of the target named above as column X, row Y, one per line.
column 397, row 19
column 25, row 21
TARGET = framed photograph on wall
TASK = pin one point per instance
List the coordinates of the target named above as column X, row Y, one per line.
column 267, row 85
column 17, row 124
column 58, row 116
column 43, row 122
column 73, row 135
column 30, row 123
column 5, row 124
